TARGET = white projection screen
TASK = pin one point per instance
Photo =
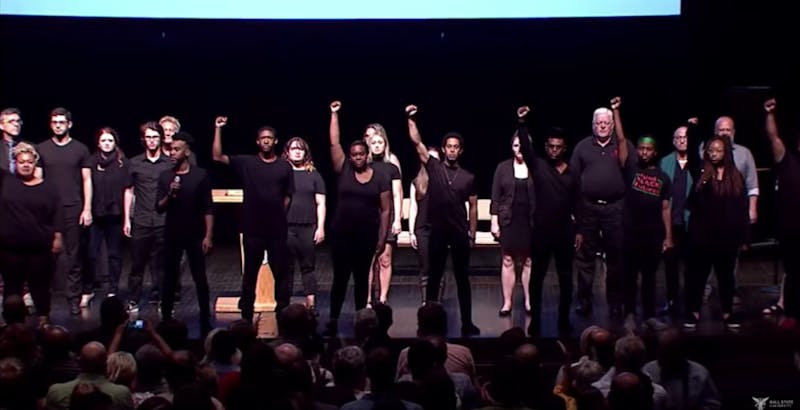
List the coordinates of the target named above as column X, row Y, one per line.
column 341, row 9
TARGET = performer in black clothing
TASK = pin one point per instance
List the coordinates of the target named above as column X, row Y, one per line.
column 718, row 227
column 361, row 222
column 144, row 225
column 110, row 179
column 420, row 226
column 306, row 216
column 31, row 229
column 512, row 210
column 554, row 235
column 787, row 168
column 268, row 187
column 65, row 162
column 599, row 161
column 184, row 193
column 10, row 127
column 449, row 187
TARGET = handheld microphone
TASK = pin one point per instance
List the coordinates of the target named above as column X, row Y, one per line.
column 177, row 179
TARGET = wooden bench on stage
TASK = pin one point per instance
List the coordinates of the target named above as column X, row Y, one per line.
column 265, row 287
column 483, row 239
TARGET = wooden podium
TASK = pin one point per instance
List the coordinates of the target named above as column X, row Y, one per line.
column 265, row 287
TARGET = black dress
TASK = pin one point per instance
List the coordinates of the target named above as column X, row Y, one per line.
column 515, row 238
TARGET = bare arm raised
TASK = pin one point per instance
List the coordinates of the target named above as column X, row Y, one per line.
column 337, row 153
column 413, row 133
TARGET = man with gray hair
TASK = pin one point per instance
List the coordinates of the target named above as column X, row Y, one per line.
column 600, row 161
column 349, row 377
column 629, row 356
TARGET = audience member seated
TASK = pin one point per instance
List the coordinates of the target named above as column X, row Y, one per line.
column 436, row 391
column 244, row 334
column 87, row 396
column 59, row 361
column 14, row 311
column 113, row 315
column 92, row 361
column 121, row 369
column 536, row 392
column 628, row 391
column 299, row 385
column 576, row 387
column 175, row 333
column 193, row 396
column 223, row 355
column 150, row 364
column 502, row 392
column 688, row 384
column 155, row 403
column 629, row 356
column 423, row 360
column 16, row 390
column 432, row 321
column 597, row 344
column 19, row 341
column 366, row 325
column 509, row 341
column 296, row 324
column 349, row 377
column 259, row 384
column 381, row 375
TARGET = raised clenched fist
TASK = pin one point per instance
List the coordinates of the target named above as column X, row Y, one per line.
column 523, row 111
column 769, row 105
column 336, row 106
column 220, row 122
column 411, row 110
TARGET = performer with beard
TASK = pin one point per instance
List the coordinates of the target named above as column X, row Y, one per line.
column 306, row 216
column 557, row 194
column 646, row 220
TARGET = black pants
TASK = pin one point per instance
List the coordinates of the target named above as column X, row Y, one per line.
column 790, row 253
column 672, row 260
column 34, row 266
column 174, row 249
column 549, row 243
column 352, row 255
column 147, row 248
column 302, row 251
column 704, row 256
column 601, row 226
column 107, row 229
column 277, row 255
column 71, row 260
column 459, row 246
column 642, row 255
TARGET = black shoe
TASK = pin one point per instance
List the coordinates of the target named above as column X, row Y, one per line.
column 177, row 300
column 504, row 313
column 690, row 322
column 470, row 330
column 74, row 308
column 668, row 309
column 331, row 329
column 584, row 310
column 732, row 321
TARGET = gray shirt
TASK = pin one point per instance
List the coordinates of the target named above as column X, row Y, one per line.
column 701, row 393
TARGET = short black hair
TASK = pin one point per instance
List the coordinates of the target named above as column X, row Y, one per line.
column 61, row 111
column 556, row 132
column 453, row 134
column 432, row 320
column 185, row 137
column 268, row 128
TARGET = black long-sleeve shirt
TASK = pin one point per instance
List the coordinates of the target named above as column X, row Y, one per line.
column 30, row 215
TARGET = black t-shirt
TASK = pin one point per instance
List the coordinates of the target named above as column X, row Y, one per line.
column 187, row 211
column 647, row 190
column 788, row 192
column 448, row 189
column 145, row 174
column 62, row 164
column 358, row 207
column 29, row 215
column 266, row 184
column 108, row 186
column 303, row 209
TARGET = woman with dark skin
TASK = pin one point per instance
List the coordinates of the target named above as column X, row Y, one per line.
column 360, row 223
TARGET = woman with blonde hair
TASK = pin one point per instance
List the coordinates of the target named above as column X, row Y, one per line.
column 306, row 216
column 31, row 230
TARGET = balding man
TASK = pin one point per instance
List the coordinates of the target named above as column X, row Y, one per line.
column 92, row 362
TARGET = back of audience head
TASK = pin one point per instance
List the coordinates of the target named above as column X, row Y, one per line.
column 432, row 320
column 385, row 317
column 628, row 392
column 257, row 366
column 14, row 310
column 15, row 386
column 192, row 396
column 86, row 396
column 207, row 378
column 366, row 325
column 175, row 333
column 181, row 370
column 510, row 340
column 598, row 344
column 672, row 354
column 439, row 349
column 150, row 365
column 244, row 334
column 437, row 390
column 421, row 358
column 287, row 353
column 55, row 343
column 19, row 341
column 381, row 368
column 349, row 368
column 629, row 354
column 121, row 369
column 112, row 313
column 92, row 358
column 503, row 387
column 295, row 322
column 586, row 372
column 223, row 348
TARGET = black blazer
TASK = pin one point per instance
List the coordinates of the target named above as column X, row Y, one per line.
column 503, row 193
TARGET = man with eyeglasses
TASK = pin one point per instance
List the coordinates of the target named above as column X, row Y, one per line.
column 11, row 126
column 554, row 220
column 600, row 160
column 66, row 162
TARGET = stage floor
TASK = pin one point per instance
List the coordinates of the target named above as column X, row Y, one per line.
column 755, row 281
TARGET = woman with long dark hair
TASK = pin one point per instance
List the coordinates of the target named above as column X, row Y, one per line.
column 361, row 222
column 718, row 227
column 110, row 179
column 306, row 216
column 31, row 230
column 513, row 203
